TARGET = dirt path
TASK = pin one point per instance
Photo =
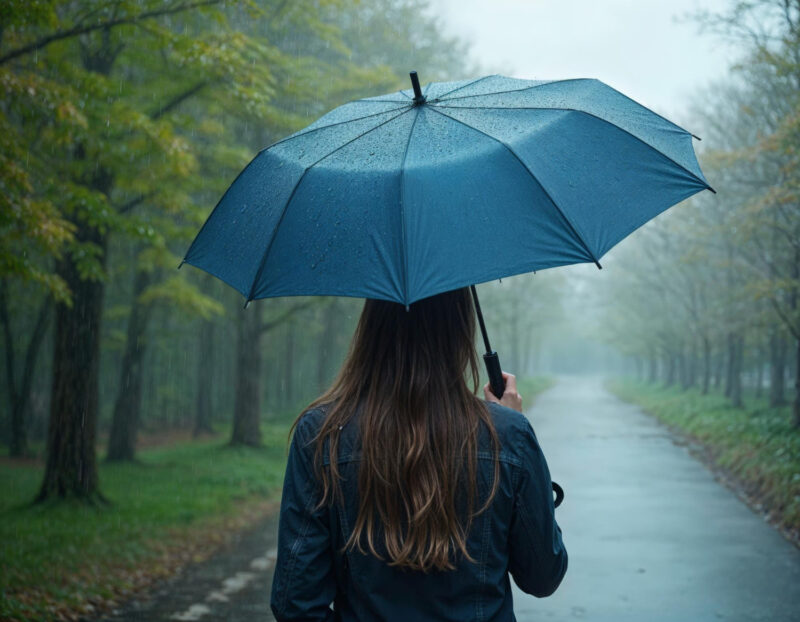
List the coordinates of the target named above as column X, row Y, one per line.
column 231, row 586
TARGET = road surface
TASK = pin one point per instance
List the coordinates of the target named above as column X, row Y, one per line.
column 650, row 534
column 652, row 537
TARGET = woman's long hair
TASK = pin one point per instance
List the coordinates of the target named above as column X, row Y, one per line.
column 419, row 423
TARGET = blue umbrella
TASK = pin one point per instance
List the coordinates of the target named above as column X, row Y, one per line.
column 406, row 195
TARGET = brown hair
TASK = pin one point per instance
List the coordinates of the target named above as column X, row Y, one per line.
column 419, row 424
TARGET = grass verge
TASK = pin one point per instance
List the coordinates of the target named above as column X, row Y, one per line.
column 756, row 446
column 175, row 506
column 530, row 387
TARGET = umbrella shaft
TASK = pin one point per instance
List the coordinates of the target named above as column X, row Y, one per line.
column 490, row 359
column 480, row 319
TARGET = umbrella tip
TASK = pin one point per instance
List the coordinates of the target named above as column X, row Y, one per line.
column 419, row 98
column 597, row 263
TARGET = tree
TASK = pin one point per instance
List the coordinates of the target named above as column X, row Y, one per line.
column 250, row 329
column 19, row 391
column 97, row 169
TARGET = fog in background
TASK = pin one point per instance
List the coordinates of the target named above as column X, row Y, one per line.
column 651, row 50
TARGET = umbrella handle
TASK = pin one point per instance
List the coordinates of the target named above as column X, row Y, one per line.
column 495, row 373
column 559, row 491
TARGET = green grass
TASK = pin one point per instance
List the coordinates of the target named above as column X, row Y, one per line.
column 530, row 387
column 58, row 557
column 757, row 444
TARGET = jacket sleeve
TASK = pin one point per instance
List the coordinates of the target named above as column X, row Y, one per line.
column 537, row 558
column 303, row 585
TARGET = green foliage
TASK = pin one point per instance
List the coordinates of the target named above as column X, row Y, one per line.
column 183, row 297
column 31, row 226
column 759, row 445
column 96, row 128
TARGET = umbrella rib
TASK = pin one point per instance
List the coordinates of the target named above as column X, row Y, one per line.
column 589, row 114
column 267, row 149
column 294, row 190
column 403, row 207
column 379, row 101
column 535, row 179
column 633, row 101
column 323, row 127
column 526, row 88
column 463, row 86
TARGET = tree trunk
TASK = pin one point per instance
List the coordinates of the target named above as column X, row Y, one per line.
column 288, row 366
column 326, row 345
column 128, row 405
column 793, row 302
column 777, row 369
column 759, row 372
column 19, row 396
column 682, row 369
column 205, row 378
column 736, row 371
column 719, row 366
column 731, row 364
column 706, row 364
column 516, row 358
column 796, row 403
column 670, row 377
column 71, row 468
column 691, row 380
column 247, row 401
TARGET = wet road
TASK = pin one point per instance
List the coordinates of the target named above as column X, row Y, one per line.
column 651, row 536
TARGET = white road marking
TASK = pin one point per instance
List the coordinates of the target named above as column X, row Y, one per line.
column 237, row 583
column 229, row 586
column 195, row 612
column 261, row 564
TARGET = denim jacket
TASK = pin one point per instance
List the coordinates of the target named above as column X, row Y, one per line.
column 516, row 535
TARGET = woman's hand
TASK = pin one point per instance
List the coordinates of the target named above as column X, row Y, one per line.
column 510, row 398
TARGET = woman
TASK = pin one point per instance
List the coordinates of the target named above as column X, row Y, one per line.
column 407, row 497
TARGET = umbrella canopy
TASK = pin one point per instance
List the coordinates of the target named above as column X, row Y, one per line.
column 403, row 196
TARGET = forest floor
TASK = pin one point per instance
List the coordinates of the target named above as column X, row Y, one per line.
column 754, row 450
column 174, row 507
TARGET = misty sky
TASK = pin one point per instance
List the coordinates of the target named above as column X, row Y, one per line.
column 635, row 46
